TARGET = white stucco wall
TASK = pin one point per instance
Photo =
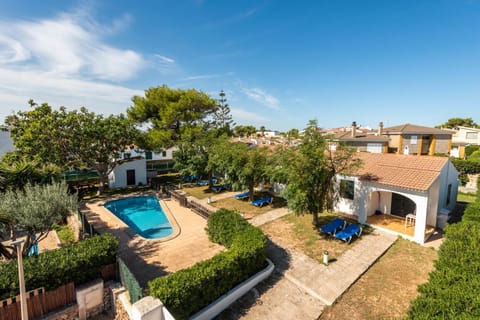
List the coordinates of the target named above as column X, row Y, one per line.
column 461, row 135
column 347, row 205
column 370, row 196
column 155, row 155
column 449, row 175
column 118, row 177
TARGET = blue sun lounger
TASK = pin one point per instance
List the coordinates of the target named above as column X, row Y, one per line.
column 218, row 189
column 348, row 233
column 242, row 196
column 263, row 201
column 333, row 226
column 203, row 183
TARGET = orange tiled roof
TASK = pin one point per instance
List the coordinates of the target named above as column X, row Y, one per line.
column 403, row 171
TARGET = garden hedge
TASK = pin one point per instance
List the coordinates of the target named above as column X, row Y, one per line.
column 80, row 262
column 453, row 289
column 187, row 291
column 466, row 166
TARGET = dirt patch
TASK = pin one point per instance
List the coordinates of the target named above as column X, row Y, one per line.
column 388, row 287
column 299, row 233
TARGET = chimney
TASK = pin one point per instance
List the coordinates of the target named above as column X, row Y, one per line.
column 380, row 128
column 354, row 129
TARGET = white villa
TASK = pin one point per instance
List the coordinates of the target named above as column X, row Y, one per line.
column 400, row 194
column 128, row 172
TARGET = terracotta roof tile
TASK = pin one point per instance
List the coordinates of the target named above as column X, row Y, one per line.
column 403, row 171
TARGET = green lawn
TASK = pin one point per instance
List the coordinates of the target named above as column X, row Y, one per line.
column 248, row 209
column 466, row 197
column 298, row 231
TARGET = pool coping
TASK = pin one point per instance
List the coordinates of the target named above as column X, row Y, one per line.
column 120, row 224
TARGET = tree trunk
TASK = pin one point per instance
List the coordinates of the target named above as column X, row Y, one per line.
column 102, row 184
column 315, row 218
column 210, row 175
column 251, row 192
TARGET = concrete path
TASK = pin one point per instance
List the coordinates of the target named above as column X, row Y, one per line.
column 300, row 287
column 269, row 216
column 327, row 283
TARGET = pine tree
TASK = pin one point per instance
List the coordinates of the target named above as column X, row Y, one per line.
column 222, row 117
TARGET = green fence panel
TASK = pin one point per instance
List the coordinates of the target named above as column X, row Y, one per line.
column 129, row 281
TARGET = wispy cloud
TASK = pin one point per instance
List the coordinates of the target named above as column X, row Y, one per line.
column 164, row 59
column 262, row 97
column 236, row 18
column 208, row 76
column 67, row 60
column 66, row 46
column 247, row 116
column 17, row 87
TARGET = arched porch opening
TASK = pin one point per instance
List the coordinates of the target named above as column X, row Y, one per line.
column 393, row 211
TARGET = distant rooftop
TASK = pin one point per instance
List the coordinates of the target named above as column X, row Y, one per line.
column 414, row 129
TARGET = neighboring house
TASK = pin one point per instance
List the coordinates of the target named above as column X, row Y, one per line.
column 128, row 172
column 268, row 134
column 466, row 135
column 463, row 136
column 6, row 143
column 418, row 140
column 398, row 185
column 155, row 161
column 363, row 140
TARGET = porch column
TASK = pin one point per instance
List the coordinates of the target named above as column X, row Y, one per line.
column 419, row 145
column 433, row 141
column 421, row 220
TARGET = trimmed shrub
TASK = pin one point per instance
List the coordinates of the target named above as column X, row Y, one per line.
column 188, row 291
column 80, row 262
column 466, row 166
column 453, row 289
column 471, row 149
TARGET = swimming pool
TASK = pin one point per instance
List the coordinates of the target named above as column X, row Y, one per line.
column 143, row 214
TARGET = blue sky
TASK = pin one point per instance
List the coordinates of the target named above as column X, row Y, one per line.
column 280, row 63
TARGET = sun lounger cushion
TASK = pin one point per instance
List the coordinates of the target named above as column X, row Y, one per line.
column 333, row 226
column 241, row 196
column 263, row 201
column 348, row 233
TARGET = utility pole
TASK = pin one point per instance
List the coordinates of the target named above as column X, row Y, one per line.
column 21, row 279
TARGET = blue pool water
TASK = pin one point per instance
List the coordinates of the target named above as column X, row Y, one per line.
column 143, row 214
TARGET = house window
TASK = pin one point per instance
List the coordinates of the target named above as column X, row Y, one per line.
column 164, row 154
column 413, row 139
column 347, row 189
column 449, row 193
column 148, row 155
column 472, row 135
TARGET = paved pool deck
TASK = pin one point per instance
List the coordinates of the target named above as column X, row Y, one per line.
column 147, row 258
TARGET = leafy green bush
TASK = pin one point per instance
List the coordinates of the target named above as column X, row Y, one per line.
column 475, row 156
column 80, row 263
column 466, row 166
column 453, row 289
column 65, row 233
column 187, row 291
column 471, row 149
